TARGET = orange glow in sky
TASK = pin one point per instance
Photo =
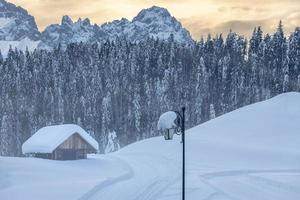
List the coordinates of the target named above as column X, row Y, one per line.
column 200, row 17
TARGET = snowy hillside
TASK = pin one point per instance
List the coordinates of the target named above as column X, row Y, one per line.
column 250, row 153
column 20, row 45
column 17, row 28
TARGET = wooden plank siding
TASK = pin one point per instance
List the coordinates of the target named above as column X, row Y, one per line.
column 74, row 148
column 75, row 142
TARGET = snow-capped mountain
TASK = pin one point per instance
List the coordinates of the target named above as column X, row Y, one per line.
column 116, row 28
column 16, row 24
column 69, row 32
column 154, row 22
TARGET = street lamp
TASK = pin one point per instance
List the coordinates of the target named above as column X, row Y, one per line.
column 170, row 123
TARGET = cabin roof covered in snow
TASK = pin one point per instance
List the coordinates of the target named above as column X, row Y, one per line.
column 47, row 139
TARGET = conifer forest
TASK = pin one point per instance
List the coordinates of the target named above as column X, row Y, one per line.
column 120, row 88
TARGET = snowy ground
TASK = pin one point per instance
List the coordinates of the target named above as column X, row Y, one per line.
column 251, row 153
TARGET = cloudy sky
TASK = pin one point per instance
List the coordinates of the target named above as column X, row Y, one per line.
column 198, row 16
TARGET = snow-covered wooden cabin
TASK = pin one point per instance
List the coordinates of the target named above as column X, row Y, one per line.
column 60, row 142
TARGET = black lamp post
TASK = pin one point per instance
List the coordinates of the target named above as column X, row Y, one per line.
column 178, row 129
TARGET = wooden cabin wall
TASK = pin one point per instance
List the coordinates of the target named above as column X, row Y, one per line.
column 75, row 142
column 44, row 155
column 75, row 147
column 70, row 154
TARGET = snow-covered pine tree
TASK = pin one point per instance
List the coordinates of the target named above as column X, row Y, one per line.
column 294, row 58
column 279, row 50
column 112, row 142
column 212, row 113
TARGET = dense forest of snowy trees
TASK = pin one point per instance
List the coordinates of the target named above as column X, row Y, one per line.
column 119, row 88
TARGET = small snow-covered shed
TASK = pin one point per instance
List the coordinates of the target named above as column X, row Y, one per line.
column 60, row 142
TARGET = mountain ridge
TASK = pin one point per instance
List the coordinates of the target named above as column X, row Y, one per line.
column 16, row 23
column 156, row 22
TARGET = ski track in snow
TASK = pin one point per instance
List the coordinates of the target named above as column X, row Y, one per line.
column 250, row 179
column 245, row 172
column 110, row 181
column 218, row 192
column 228, row 158
column 155, row 189
column 149, row 188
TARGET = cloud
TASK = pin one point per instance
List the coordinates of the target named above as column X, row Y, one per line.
column 242, row 27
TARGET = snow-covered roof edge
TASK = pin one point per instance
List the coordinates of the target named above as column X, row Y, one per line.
column 48, row 138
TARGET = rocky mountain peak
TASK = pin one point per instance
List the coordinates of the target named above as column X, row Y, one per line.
column 86, row 22
column 151, row 13
column 66, row 20
column 154, row 22
column 16, row 23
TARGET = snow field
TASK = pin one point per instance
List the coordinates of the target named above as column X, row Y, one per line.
column 250, row 153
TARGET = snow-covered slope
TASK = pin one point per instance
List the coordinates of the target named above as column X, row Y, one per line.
column 17, row 28
column 16, row 23
column 250, row 153
column 24, row 44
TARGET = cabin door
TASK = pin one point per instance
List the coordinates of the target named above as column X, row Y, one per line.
column 69, row 154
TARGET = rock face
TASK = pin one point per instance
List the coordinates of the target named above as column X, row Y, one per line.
column 69, row 32
column 153, row 22
column 16, row 24
column 156, row 22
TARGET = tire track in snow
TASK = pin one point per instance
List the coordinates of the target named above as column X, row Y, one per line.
column 245, row 172
column 110, row 181
column 250, row 174
column 157, row 186
column 273, row 183
column 153, row 190
column 218, row 192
